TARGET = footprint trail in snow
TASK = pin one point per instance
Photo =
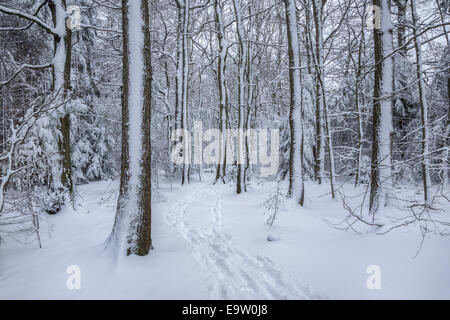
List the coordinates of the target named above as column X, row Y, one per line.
column 233, row 274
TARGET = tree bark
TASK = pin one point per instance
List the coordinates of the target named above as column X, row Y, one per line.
column 221, row 65
column 241, row 97
column 184, row 110
column 62, row 63
column 296, row 184
column 381, row 173
column 317, row 55
column 131, row 233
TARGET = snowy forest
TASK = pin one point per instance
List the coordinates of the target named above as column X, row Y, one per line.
column 224, row 149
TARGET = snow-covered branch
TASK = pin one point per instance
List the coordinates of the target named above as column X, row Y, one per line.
column 22, row 14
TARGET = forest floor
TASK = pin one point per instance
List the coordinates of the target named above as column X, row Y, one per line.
column 212, row 244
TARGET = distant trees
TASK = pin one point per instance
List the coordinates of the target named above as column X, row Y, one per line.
column 351, row 104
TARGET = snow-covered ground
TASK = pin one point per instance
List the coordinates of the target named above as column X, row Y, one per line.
column 211, row 244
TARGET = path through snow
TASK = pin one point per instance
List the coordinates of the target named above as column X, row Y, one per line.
column 233, row 273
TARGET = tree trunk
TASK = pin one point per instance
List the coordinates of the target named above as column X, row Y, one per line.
column 61, row 81
column 319, row 155
column 218, row 11
column 66, row 175
column 296, row 184
column 184, row 110
column 357, row 99
column 446, row 152
column 250, row 98
column 241, row 94
column 423, row 107
column 322, row 119
column 131, row 233
column 401, row 13
column 381, row 173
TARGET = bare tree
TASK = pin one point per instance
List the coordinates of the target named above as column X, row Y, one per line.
column 296, row 184
column 241, row 94
column 131, row 233
column 221, row 67
column 381, row 172
column 423, row 107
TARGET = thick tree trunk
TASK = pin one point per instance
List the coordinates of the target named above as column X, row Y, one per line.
column 381, row 172
column 66, row 175
column 62, row 81
column 131, row 233
column 296, row 184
